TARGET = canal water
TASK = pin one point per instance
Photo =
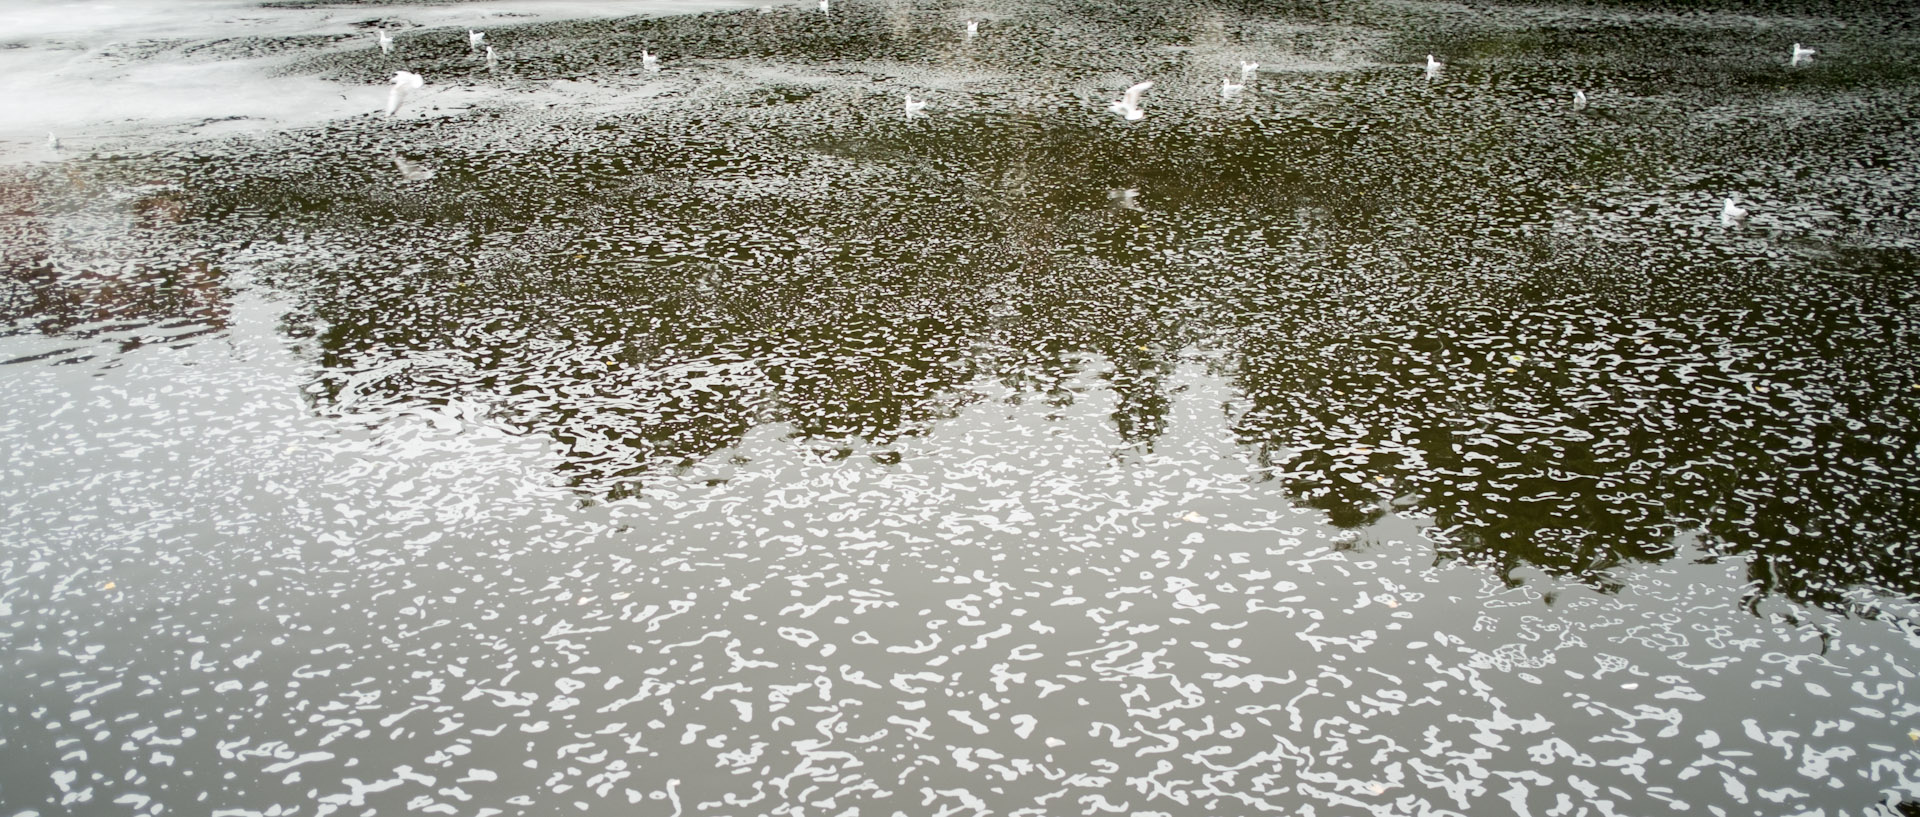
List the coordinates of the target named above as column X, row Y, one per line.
column 722, row 438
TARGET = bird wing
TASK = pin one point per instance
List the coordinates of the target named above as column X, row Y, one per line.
column 1132, row 98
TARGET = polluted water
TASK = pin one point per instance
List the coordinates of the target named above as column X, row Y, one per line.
column 581, row 439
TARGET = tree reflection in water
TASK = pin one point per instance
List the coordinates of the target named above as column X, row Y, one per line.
column 1438, row 299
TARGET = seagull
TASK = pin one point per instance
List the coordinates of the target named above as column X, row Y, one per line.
column 53, row 142
column 1434, row 66
column 826, row 9
column 1129, row 104
column 1801, row 55
column 386, row 41
column 1247, row 68
column 410, row 171
column 1579, row 100
column 915, row 107
column 649, row 61
column 475, row 39
column 973, row 29
column 403, row 82
column 1732, row 215
column 1125, row 198
column 493, row 60
column 1229, row 89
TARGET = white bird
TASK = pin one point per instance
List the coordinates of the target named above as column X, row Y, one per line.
column 826, row 9
column 475, row 39
column 973, row 29
column 1732, row 215
column 493, row 60
column 410, row 171
column 53, row 142
column 649, row 61
column 404, row 82
column 1128, row 105
column 1247, row 69
column 1434, row 66
column 914, row 107
column 1229, row 89
column 1579, row 100
column 1801, row 55
column 386, row 41
column 1125, row 198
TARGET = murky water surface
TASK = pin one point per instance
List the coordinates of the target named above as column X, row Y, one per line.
column 723, row 440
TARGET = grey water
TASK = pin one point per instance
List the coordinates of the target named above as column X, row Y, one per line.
column 723, row 440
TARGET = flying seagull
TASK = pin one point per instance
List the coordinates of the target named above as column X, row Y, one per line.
column 404, row 82
column 1128, row 105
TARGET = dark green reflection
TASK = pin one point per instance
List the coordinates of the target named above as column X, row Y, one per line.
column 1456, row 297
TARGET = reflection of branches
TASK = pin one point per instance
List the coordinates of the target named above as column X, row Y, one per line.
column 83, row 265
column 1402, row 334
column 1577, row 452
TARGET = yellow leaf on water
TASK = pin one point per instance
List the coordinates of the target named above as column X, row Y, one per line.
column 1913, row 734
column 107, row 586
